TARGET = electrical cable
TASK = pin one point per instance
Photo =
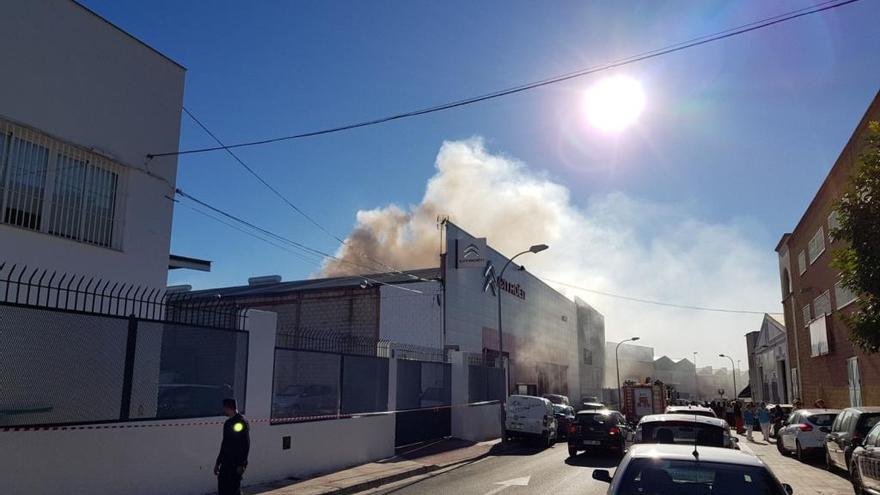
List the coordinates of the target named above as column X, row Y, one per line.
column 728, row 33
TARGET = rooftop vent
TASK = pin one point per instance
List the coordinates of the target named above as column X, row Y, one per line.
column 264, row 280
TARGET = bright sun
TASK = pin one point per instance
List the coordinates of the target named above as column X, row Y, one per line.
column 614, row 103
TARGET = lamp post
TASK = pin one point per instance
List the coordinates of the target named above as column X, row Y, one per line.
column 537, row 248
column 732, row 365
column 617, row 363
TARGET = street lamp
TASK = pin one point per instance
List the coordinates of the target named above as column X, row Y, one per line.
column 537, row 248
column 617, row 363
column 733, row 372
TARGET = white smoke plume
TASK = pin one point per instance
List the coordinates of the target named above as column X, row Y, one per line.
column 615, row 243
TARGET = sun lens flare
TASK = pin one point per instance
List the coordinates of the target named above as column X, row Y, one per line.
column 614, row 103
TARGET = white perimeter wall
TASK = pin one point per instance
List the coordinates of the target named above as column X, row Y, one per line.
column 72, row 75
column 179, row 459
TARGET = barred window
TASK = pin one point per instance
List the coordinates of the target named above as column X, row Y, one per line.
column 802, row 263
column 817, row 245
column 833, row 223
column 842, row 295
column 56, row 188
column 822, row 304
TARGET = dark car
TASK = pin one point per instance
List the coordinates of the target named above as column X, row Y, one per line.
column 564, row 417
column 592, row 406
column 848, row 431
column 601, row 429
column 864, row 468
column 557, row 399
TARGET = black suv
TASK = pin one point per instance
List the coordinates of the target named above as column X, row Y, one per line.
column 600, row 429
column 850, row 428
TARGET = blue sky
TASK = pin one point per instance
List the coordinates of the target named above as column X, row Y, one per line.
column 739, row 132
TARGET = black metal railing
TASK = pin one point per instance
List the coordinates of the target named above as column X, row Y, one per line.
column 329, row 340
column 43, row 288
column 417, row 353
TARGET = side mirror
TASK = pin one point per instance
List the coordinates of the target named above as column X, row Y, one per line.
column 788, row 489
column 603, row 475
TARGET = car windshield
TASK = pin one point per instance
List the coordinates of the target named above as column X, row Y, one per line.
column 560, row 408
column 681, row 432
column 822, row 419
column 676, row 477
column 867, row 423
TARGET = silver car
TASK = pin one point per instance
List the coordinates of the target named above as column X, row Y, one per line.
column 662, row 469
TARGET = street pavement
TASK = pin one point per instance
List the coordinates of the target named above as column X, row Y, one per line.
column 520, row 469
column 513, row 469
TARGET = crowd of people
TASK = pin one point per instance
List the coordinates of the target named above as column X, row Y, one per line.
column 747, row 417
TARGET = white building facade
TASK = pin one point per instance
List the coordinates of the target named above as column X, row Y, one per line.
column 82, row 104
column 769, row 354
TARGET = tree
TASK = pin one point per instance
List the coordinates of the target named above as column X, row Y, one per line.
column 858, row 213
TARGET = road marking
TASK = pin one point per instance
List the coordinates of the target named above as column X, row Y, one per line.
column 524, row 481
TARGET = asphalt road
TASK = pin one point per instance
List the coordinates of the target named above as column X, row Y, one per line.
column 516, row 469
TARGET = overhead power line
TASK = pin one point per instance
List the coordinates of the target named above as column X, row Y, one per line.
column 659, row 303
column 289, row 203
column 284, row 240
column 702, row 40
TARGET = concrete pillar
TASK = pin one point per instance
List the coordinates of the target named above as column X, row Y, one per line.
column 459, row 371
column 261, row 327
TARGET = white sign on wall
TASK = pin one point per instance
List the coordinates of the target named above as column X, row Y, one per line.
column 471, row 253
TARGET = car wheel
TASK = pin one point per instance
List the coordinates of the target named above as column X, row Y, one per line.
column 801, row 454
column 856, row 480
column 780, row 447
column 572, row 451
column 545, row 439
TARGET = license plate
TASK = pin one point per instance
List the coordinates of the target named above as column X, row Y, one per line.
column 592, row 442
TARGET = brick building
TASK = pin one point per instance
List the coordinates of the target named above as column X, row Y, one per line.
column 823, row 362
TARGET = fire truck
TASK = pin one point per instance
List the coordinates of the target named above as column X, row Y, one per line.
column 642, row 399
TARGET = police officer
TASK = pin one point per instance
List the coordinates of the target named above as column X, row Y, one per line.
column 232, row 460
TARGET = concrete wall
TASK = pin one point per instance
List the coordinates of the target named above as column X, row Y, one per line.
column 591, row 344
column 176, row 457
column 475, row 422
column 75, row 77
column 539, row 329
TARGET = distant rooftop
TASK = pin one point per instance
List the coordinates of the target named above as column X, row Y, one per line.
column 281, row 288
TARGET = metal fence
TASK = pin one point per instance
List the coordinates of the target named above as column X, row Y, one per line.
column 486, row 378
column 68, row 357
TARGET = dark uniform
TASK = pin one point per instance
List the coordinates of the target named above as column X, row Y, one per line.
column 233, row 455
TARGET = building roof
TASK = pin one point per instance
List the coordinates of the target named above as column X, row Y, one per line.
column 176, row 261
column 841, row 159
column 281, row 288
column 666, row 451
column 114, row 26
column 778, row 318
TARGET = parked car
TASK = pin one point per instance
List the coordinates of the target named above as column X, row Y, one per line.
column 692, row 410
column 848, row 431
column 685, row 429
column 557, row 399
column 804, row 432
column 592, row 406
column 564, row 417
column 183, row 400
column 304, row 400
column 864, row 468
column 683, row 469
column 530, row 417
column 776, row 425
column 601, row 429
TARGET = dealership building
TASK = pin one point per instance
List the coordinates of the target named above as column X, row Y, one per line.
column 450, row 307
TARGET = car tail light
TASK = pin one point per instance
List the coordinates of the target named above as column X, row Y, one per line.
column 572, row 428
column 614, row 430
column 805, row 427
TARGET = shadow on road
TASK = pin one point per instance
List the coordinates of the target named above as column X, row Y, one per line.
column 594, row 461
column 523, row 448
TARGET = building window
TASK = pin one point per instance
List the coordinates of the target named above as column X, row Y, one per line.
column 52, row 187
column 818, row 337
column 833, row 223
column 588, row 356
column 822, row 304
column 842, row 295
column 802, row 262
column 807, row 315
column 795, row 384
column 854, row 380
column 817, row 245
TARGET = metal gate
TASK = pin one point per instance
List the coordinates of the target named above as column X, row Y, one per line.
column 424, row 397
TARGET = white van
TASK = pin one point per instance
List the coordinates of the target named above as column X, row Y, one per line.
column 531, row 417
